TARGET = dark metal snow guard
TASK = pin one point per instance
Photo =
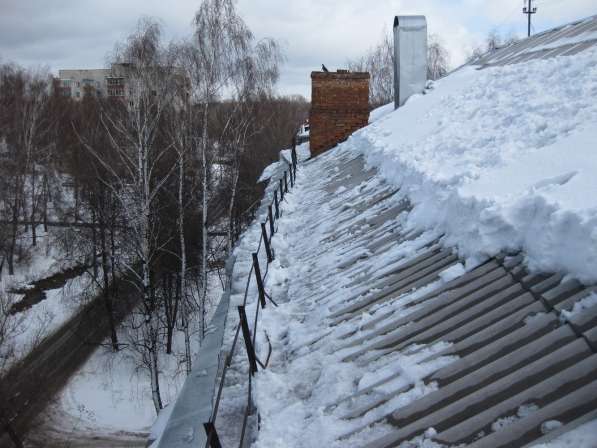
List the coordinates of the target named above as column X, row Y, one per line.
column 191, row 421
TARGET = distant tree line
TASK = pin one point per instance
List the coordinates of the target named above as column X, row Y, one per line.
column 379, row 62
column 494, row 41
column 145, row 182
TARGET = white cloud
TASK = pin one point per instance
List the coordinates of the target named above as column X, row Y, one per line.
column 76, row 33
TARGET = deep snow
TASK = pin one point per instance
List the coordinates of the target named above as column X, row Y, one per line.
column 501, row 159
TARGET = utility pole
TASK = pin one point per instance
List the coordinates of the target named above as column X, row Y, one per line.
column 529, row 11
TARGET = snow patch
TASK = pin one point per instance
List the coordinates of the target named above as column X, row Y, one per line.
column 452, row 272
column 580, row 437
column 579, row 307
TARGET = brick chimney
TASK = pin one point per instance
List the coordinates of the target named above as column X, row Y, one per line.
column 339, row 106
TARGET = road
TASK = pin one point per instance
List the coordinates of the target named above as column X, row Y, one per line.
column 32, row 384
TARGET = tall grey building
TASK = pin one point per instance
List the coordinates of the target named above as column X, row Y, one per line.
column 112, row 82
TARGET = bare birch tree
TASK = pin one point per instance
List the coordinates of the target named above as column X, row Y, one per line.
column 26, row 127
column 438, row 58
column 379, row 62
column 180, row 127
column 254, row 84
column 220, row 44
column 138, row 176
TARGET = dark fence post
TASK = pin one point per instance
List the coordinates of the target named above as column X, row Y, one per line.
column 213, row 441
column 276, row 204
column 259, row 279
column 272, row 230
column 281, row 189
column 247, row 337
column 294, row 155
column 285, row 181
column 268, row 249
column 291, row 176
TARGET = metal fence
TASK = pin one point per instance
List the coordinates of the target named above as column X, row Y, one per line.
column 268, row 229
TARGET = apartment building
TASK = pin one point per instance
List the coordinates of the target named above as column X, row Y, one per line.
column 101, row 82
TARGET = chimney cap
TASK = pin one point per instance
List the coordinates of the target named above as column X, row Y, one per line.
column 340, row 74
column 410, row 22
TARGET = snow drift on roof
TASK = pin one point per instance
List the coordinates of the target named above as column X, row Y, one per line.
column 501, row 158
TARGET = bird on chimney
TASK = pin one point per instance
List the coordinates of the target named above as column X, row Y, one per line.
column 324, row 68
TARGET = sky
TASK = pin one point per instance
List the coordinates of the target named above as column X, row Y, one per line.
column 81, row 33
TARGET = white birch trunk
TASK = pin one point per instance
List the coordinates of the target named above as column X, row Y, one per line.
column 183, row 263
column 231, row 209
column 154, row 373
column 204, row 219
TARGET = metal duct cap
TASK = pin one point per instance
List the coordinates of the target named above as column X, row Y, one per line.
column 410, row 57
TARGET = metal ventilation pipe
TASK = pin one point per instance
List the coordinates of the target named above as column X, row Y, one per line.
column 410, row 57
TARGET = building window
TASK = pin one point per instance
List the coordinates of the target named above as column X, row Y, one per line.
column 116, row 92
column 78, row 94
column 115, row 82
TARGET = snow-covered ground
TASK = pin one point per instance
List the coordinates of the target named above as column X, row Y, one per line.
column 107, row 398
column 501, row 158
column 110, row 396
column 42, row 319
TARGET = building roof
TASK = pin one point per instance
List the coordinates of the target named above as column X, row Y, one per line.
column 566, row 40
column 388, row 336
column 388, row 331
column 382, row 335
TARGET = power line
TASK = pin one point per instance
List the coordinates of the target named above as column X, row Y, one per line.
column 529, row 11
column 507, row 18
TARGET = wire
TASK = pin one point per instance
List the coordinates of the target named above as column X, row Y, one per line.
column 509, row 16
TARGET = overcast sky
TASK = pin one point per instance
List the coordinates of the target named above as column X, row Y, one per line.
column 80, row 33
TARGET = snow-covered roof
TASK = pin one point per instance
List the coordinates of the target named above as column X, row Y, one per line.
column 435, row 275
column 384, row 335
column 429, row 269
column 566, row 40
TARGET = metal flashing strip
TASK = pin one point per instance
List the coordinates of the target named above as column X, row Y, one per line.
column 194, row 404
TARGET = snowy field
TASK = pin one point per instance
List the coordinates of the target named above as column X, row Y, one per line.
column 501, row 158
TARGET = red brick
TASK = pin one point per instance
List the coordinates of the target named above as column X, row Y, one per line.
column 339, row 106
